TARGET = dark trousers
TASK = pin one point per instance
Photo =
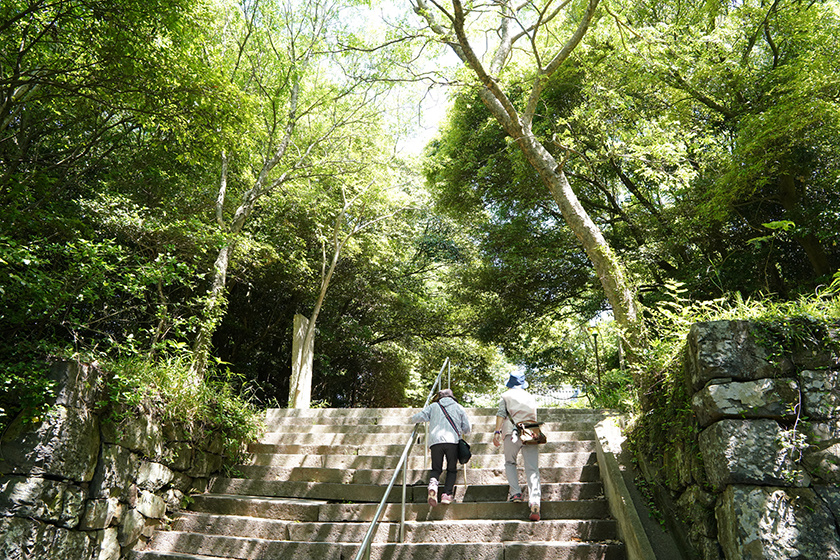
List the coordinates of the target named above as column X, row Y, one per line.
column 450, row 451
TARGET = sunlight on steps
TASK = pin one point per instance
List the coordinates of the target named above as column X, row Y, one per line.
column 313, row 482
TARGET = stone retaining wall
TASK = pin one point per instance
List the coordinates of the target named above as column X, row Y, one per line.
column 759, row 480
column 74, row 485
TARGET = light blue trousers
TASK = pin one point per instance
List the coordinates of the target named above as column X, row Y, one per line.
column 531, row 459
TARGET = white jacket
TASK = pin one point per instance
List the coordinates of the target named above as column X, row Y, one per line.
column 440, row 430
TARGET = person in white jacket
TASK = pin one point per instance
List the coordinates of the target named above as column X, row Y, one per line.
column 519, row 404
column 443, row 441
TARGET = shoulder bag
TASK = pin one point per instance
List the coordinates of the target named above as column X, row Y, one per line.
column 464, row 452
column 529, row 433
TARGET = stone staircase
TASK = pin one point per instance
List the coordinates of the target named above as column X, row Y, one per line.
column 314, row 481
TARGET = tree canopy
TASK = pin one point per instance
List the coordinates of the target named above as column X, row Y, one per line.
column 174, row 176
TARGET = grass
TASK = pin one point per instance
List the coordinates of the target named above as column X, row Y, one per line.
column 166, row 389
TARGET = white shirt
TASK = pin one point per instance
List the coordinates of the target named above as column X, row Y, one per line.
column 520, row 404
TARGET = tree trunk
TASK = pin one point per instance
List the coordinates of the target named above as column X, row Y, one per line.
column 517, row 124
column 214, row 309
column 600, row 253
column 792, row 203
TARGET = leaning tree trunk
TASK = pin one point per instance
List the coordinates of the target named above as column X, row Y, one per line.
column 517, row 124
column 214, row 309
column 610, row 272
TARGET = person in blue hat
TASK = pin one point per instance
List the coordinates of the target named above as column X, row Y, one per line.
column 518, row 405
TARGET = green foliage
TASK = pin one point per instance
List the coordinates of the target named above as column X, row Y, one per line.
column 664, row 417
column 81, row 297
column 211, row 408
column 704, row 144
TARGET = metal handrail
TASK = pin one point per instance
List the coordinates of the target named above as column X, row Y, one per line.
column 364, row 548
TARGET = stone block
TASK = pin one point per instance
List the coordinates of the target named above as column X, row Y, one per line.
column 153, row 476
column 64, row 444
column 140, row 433
column 764, row 398
column 823, row 464
column 131, row 527
column 830, row 494
column 109, row 545
column 77, row 385
column 183, row 483
column 100, row 514
column 151, row 505
column 727, row 350
column 698, row 508
column 199, row 485
column 821, row 394
column 811, row 355
column 749, row 452
column 708, row 548
column 205, row 464
column 28, row 539
column 179, row 455
column 767, row 523
column 822, row 434
column 215, row 444
column 115, row 473
column 152, row 525
column 677, row 465
column 175, row 499
column 41, row 499
column 176, row 432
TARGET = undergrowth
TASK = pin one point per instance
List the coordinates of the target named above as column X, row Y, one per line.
column 664, row 426
column 208, row 408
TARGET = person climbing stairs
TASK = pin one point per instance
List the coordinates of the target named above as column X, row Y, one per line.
column 312, row 484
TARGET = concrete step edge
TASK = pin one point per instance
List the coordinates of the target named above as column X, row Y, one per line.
column 584, row 530
column 476, row 427
column 178, row 541
column 362, row 437
column 257, row 506
column 249, row 548
column 389, row 450
column 474, row 493
column 494, row 460
column 589, row 472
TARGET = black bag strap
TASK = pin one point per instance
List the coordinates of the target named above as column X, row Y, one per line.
column 445, row 413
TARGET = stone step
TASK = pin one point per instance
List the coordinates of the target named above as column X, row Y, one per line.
column 313, row 510
column 362, row 438
column 556, row 443
column 489, row 475
column 484, row 422
column 494, row 459
column 405, row 428
column 415, row 493
column 374, row 415
column 572, row 509
column 249, row 548
column 314, row 481
column 415, row 531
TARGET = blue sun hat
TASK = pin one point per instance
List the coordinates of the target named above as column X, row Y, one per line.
column 517, row 380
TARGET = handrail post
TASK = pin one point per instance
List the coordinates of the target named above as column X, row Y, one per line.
column 402, row 509
column 364, row 548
